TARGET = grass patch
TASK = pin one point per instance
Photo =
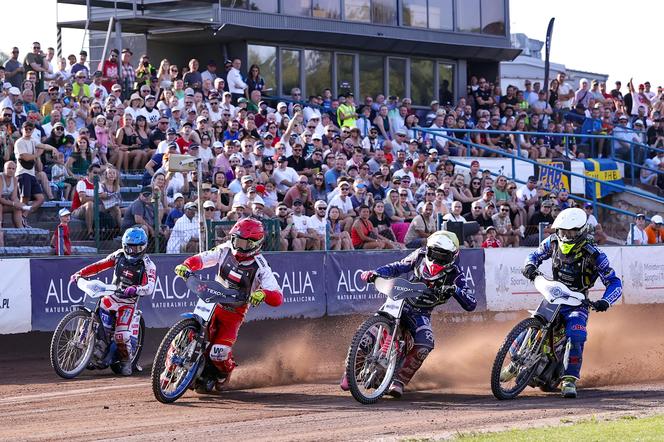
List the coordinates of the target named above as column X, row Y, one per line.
column 626, row 428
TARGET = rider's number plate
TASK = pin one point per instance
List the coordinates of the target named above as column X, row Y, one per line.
column 392, row 307
column 204, row 309
column 548, row 311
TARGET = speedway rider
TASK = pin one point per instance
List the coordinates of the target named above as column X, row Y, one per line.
column 435, row 266
column 135, row 275
column 577, row 263
column 242, row 267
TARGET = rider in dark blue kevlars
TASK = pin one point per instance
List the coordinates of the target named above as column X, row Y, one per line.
column 435, row 266
column 577, row 263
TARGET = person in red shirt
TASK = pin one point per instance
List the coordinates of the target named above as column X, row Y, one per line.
column 491, row 241
column 82, row 203
column 110, row 70
column 60, row 241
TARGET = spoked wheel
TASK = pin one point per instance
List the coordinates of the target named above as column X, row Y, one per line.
column 372, row 359
column 517, row 359
column 177, row 361
column 137, row 349
column 72, row 344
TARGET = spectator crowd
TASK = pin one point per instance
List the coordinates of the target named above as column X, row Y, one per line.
column 333, row 172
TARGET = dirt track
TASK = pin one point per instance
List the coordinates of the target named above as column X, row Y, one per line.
column 287, row 392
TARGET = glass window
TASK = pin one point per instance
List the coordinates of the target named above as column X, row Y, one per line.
column 441, row 14
column 317, row 71
column 446, row 84
column 357, row 10
column 397, row 77
column 384, row 12
column 468, row 15
column 290, row 70
column 327, row 9
column 371, row 75
column 265, row 57
column 493, row 17
column 414, row 13
column 421, row 81
column 345, row 73
column 264, row 5
column 298, row 7
column 240, row 4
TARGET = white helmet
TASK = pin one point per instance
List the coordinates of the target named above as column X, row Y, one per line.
column 442, row 250
column 570, row 226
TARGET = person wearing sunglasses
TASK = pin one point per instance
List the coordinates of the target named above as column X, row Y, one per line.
column 507, row 235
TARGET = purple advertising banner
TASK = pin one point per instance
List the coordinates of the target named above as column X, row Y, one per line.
column 348, row 294
column 53, row 296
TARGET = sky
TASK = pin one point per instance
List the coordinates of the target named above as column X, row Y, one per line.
column 590, row 35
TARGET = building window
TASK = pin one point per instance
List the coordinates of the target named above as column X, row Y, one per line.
column 327, row 9
column 441, row 14
column 298, row 7
column 468, row 15
column 493, row 17
column 290, row 70
column 357, row 10
column 446, row 83
column 265, row 57
column 371, row 75
column 254, row 5
column 421, row 81
column 384, row 12
column 414, row 13
column 317, row 71
column 345, row 73
column 397, row 77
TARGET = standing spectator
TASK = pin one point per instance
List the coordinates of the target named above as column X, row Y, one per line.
column 110, row 71
column 14, row 70
column 80, row 66
column 565, row 93
column 60, row 241
column 34, row 61
column 185, row 235
column 637, row 235
column 346, row 113
column 128, row 74
column 254, row 80
column 284, row 177
column 211, row 72
column 420, row 228
column 236, row 86
column 491, row 241
column 655, row 231
column 193, row 78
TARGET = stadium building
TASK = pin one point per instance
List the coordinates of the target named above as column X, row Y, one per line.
column 408, row 48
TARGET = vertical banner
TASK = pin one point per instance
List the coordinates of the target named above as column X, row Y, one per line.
column 15, row 308
column 643, row 267
column 547, row 52
column 348, row 294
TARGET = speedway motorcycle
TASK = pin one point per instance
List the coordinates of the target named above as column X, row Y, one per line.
column 80, row 341
column 381, row 343
column 535, row 350
column 181, row 362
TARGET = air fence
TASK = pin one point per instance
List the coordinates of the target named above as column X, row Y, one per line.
column 36, row 293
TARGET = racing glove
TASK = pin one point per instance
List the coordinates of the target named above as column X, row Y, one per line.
column 182, row 270
column 129, row 292
column 256, row 297
column 368, row 276
column 601, row 306
column 530, row 272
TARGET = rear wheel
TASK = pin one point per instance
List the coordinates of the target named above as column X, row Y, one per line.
column 517, row 359
column 372, row 359
column 177, row 361
column 72, row 344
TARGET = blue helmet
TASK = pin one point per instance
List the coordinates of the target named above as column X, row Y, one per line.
column 134, row 243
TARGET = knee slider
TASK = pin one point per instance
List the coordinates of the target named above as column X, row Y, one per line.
column 220, row 352
column 421, row 352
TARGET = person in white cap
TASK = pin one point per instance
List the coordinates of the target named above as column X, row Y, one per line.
column 655, row 231
column 186, row 231
column 60, row 241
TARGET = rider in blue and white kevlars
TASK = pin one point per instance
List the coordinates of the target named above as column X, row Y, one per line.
column 135, row 275
column 577, row 263
column 435, row 266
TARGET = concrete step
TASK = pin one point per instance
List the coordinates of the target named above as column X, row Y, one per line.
column 26, row 237
column 43, row 250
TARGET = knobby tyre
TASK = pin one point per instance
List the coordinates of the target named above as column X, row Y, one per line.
column 72, row 344
column 371, row 362
column 178, row 339
column 529, row 328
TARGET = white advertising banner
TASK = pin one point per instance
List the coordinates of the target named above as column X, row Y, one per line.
column 15, row 301
column 643, row 268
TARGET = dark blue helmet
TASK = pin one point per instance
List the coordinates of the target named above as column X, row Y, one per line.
column 134, row 243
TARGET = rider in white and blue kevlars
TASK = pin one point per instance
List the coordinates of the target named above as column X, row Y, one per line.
column 435, row 266
column 577, row 263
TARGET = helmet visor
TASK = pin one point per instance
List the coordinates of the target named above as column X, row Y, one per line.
column 244, row 244
column 440, row 256
column 134, row 249
column 569, row 235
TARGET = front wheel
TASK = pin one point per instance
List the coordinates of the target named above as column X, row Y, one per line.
column 517, row 359
column 372, row 359
column 72, row 344
column 177, row 361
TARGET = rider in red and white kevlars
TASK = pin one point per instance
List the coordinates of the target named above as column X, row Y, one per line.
column 135, row 274
column 240, row 267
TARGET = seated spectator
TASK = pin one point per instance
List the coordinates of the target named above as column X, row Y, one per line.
column 507, row 235
column 595, row 227
column 361, row 196
column 284, row 177
column 9, row 198
column 303, row 239
column 543, row 216
column 655, row 231
column 60, row 241
column 637, row 235
column 420, row 228
column 177, row 210
column 363, row 234
column 491, row 241
column 527, row 196
column 300, row 191
column 317, row 226
column 83, row 201
column 185, row 234
column 455, row 214
column 141, row 212
column 339, row 238
column 343, row 202
column 286, row 227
